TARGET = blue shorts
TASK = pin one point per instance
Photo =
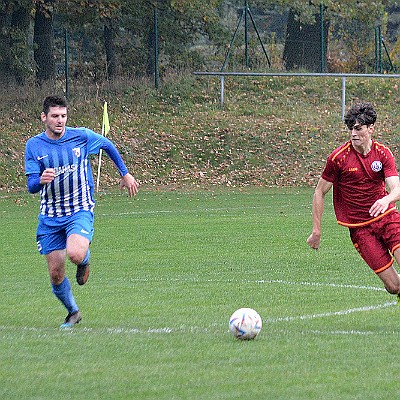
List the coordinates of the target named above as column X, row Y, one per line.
column 52, row 233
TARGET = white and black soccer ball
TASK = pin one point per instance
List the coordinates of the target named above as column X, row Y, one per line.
column 245, row 323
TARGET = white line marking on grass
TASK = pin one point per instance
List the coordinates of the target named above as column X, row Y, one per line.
column 359, row 333
column 165, row 330
column 338, row 332
column 320, row 284
column 194, row 329
column 121, row 214
column 112, row 331
column 333, row 313
column 191, row 211
column 259, row 281
column 43, row 332
column 134, row 330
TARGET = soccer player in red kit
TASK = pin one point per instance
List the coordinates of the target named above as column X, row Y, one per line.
column 366, row 187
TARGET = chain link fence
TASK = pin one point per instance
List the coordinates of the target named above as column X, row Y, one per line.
column 264, row 40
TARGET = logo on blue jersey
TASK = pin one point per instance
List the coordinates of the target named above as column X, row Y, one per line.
column 77, row 151
column 65, row 168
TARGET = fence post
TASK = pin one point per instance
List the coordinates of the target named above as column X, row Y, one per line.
column 222, row 90
column 156, row 72
column 66, row 61
column 246, row 36
column 322, row 16
column 343, row 96
column 378, row 50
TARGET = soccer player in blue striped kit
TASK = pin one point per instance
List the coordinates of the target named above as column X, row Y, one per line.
column 57, row 165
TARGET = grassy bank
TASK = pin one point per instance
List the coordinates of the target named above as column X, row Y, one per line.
column 272, row 131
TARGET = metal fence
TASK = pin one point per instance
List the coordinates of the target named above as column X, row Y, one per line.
column 279, row 40
column 256, row 41
column 343, row 77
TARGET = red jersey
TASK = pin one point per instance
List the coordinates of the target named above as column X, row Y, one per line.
column 358, row 181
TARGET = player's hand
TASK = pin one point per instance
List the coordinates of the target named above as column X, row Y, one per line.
column 47, row 176
column 379, row 207
column 314, row 240
column 129, row 182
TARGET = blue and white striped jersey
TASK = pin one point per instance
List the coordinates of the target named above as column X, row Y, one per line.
column 73, row 188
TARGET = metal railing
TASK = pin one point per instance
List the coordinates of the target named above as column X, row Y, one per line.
column 343, row 77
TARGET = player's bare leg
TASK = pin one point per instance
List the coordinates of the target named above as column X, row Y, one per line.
column 78, row 252
column 77, row 247
column 391, row 280
column 61, row 287
column 56, row 265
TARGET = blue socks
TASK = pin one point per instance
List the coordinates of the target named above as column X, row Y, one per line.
column 63, row 293
column 86, row 259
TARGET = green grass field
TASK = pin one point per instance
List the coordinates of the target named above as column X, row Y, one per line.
column 168, row 270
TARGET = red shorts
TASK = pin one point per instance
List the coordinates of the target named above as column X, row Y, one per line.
column 377, row 241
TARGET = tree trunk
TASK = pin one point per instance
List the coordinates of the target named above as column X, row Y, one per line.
column 5, row 45
column 151, row 43
column 43, row 40
column 20, row 48
column 111, row 54
column 303, row 44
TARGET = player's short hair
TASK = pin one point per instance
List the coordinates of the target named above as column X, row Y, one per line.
column 54, row 101
column 362, row 113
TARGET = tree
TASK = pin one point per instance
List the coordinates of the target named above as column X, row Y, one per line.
column 303, row 46
column 303, row 24
column 109, row 38
column 19, row 42
column 14, row 48
column 97, row 22
column 43, row 41
column 180, row 25
column 110, row 48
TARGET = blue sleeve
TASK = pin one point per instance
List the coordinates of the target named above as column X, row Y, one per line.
column 32, row 165
column 34, row 185
column 97, row 142
column 113, row 153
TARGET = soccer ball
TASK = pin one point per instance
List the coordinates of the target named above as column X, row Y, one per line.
column 245, row 323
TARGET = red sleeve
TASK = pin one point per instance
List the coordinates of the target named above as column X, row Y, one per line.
column 389, row 164
column 330, row 171
column 332, row 168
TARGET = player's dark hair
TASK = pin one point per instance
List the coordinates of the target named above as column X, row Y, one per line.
column 362, row 113
column 54, row 101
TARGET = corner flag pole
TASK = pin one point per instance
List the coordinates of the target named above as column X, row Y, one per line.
column 105, row 128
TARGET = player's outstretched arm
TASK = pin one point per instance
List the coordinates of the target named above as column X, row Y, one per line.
column 129, row 182
column 318, row 204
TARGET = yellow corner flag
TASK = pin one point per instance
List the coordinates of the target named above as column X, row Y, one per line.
column 105, row 128
column 106, row 123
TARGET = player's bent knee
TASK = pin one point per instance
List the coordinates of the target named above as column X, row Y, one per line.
column 77, row 247
column 392, row 288
column 56, row 277
column 76, row 256
column 391, row 280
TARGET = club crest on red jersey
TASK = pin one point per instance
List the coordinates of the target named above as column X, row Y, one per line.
column 376, row 166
